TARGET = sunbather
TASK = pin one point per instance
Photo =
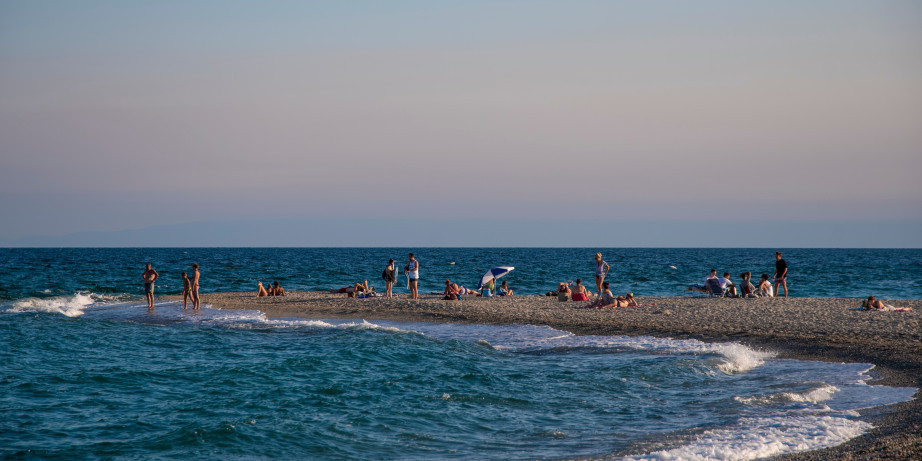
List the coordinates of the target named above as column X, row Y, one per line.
column 873, row 304
column 260, row 290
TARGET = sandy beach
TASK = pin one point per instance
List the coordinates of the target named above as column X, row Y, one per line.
column 823, row 329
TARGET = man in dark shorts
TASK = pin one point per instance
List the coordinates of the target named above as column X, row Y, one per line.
column 149, row 277
column 781, row 274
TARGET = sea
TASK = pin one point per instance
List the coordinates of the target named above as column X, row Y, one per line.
column 87, row 372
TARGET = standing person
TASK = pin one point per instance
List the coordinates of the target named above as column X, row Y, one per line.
column 412, row 271
column 187, row 291
column 390, row 276
column 781, row 275
column 196, row 301
column 601, row 269
column 149, row 277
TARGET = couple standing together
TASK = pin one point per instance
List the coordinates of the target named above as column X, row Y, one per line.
column 189, row 286
column 412, row 271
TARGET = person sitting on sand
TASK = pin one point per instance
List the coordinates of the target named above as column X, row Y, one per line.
column 747, row 289
column 504, row 289
column 361, row 288
column 727, row 286
column 261, row 290
column 580, row 293
column 874, row 304
column 765, row 287
column 279, row 291
column 452, row 290
column 488, row 288
column 563, row 291
column 606, row 298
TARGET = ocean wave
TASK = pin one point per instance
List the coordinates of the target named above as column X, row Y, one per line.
column 765, row 437
column 70, row 306
column 816, row 395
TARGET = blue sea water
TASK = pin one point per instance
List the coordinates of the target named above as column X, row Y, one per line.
column 855, row 273
column 86, row 372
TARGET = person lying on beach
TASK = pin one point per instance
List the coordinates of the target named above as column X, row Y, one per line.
column 580, row 293
column 504, row 289
column 278, row 290
column 873, row 304
column 358, row 287
column 455, row 291
column 260, row 290
column 631, row 302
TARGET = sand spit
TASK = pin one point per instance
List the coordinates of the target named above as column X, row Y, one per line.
column 803, row 328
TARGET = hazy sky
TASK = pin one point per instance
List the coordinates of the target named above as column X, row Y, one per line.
column 121, row 115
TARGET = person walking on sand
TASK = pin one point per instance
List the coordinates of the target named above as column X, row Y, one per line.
column 601, row 270
column 390, row 276
column 196, row 301
column 412, row 271
column 186, row 291
column 149, row 276
column 781, row 275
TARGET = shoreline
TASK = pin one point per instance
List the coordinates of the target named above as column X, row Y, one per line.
column 817, row 329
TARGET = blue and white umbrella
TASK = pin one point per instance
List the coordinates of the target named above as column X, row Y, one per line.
column 494, row 273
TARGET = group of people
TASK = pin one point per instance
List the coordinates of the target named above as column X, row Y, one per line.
column 274, row 289
column 190, row 287
column 723, row 286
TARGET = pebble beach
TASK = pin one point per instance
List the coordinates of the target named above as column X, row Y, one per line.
column 820, row 329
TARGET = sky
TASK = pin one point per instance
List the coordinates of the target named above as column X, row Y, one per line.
column 562, row 123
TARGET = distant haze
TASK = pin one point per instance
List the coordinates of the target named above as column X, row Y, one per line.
column 568, row 123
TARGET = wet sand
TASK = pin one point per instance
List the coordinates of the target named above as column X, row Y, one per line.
column 801, row 328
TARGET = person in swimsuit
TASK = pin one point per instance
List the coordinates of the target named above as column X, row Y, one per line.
column 261, row 290
column 412, row 271
column 149, row 276
column 580, row 293
column 781, row 274
column 390, row 276
column 631, row 302
column 196, row 275
column 606, row 299
column 186, row 291
column 877, row 305
column 277, row 289
column 601, row 270
column 563, row 291
column 504, row 289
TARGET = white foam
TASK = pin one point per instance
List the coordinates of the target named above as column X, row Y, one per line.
column 765, row 437
column 817, row 395
column 71, row 306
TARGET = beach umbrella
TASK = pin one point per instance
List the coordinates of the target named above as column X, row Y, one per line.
column 494, row 273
